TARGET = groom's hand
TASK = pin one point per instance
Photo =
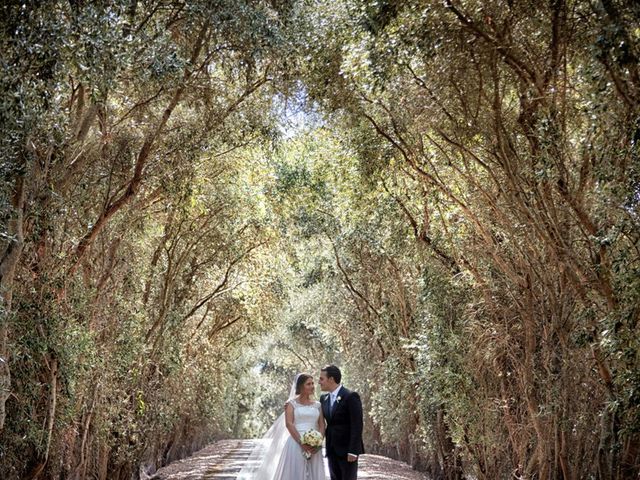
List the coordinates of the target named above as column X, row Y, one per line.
column 352, row 458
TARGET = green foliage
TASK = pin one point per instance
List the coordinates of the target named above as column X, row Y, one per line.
column 440, row 198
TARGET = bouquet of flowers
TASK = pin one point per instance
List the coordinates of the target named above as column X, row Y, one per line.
column 311, row 438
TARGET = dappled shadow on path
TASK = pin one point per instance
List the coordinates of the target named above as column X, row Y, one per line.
column 220, row 461
column 375, row 467
column 224, row 459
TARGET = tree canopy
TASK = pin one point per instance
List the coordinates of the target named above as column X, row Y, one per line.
column 202, row 198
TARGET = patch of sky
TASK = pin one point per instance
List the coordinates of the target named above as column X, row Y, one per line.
column 296, row 113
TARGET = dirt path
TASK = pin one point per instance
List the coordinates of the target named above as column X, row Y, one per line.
column 223, row 460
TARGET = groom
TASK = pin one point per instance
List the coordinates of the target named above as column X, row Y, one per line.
column 342, row 411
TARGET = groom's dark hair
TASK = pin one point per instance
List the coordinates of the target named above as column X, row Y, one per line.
column 333, row 372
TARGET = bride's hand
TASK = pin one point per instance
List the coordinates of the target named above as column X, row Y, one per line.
column 308, row 449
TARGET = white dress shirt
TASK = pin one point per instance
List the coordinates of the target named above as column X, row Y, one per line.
column 334, row 395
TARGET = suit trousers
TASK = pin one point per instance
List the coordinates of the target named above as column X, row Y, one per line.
column 341, row 469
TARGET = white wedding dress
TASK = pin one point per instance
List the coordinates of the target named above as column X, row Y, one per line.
column 277, row 456
column 293, row 465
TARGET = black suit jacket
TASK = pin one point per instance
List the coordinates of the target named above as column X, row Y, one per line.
column 344, row 424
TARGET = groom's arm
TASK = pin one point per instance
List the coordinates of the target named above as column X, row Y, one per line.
column 355, row 417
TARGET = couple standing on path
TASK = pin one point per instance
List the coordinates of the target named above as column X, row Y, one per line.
column 282, row 454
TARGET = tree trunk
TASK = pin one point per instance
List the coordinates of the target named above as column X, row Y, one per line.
column 449, row 457
column 8, row 262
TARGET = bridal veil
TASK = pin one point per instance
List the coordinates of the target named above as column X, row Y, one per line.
column 265, row 456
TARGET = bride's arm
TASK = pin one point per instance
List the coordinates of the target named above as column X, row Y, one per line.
column 289, row 422
column 321, row 424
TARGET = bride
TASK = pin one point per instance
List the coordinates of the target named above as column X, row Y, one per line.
column 280, row 454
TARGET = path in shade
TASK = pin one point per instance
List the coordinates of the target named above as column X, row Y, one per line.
column 224, row 459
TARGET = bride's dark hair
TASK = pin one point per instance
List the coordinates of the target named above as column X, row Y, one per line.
column 302, row 379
